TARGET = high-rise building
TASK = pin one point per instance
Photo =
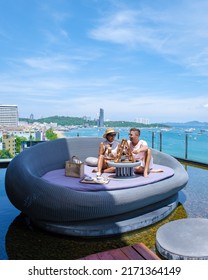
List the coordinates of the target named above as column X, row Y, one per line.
column 101, row 118
column 9, row 115
column 143, row 120
column 9, row 143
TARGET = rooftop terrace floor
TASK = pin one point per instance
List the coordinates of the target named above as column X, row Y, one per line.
column 21, row 240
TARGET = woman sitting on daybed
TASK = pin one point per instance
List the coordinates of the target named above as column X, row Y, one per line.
column 107, row 151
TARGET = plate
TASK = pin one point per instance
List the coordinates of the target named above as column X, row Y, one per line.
column 94, row 181
column 88, row 179
column 104, row 181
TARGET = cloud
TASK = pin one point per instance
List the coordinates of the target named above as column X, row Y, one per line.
column 79, row 95
column 121, row 28
column 152, row 107
column 153, row 62
column 55, row 63
column 177, row 32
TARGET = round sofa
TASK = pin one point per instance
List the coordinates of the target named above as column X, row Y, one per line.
column 86, row 213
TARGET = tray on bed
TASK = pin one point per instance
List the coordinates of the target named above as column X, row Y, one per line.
column 94, row 181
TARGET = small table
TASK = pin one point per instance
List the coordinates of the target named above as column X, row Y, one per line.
column 183, row 239
column 124, row 169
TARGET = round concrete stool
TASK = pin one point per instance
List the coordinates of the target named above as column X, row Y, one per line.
column 184, row 239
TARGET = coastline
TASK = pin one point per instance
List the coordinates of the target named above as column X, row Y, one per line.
column 60, row 134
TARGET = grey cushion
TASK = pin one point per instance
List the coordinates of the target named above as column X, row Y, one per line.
column 57, row 177
column 91, row 161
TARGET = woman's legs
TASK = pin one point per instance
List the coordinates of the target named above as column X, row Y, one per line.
column 102, row 166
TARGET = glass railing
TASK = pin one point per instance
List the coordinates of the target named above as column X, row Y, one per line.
column 192, row 145
column 188, row 146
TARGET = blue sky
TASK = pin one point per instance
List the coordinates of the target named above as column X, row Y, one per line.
column 133, row 58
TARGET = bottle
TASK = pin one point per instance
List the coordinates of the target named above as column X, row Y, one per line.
column 109, row 151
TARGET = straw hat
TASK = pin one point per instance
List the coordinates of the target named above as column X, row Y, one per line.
column 109, row 130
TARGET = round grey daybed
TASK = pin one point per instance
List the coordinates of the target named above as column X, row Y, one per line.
column 89, row 210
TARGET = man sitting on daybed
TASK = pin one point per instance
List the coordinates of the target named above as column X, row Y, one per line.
column 141, row 152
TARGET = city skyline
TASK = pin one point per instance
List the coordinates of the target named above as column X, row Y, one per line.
column 132, row 58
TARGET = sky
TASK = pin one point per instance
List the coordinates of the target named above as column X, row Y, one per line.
column 133, row 58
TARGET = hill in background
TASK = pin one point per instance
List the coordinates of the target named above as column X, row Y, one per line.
column 76, row 121
column 194, row 124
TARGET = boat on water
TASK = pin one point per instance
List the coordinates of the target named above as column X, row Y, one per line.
column 203, row 130
column 189, row 130
column 36, row 185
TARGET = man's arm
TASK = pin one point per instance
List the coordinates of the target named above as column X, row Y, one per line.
column 143, row 148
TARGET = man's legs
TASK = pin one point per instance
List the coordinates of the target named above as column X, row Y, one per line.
column 148, row 156
column 144, row 169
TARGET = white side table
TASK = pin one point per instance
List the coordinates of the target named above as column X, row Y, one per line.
column 124, row 169
column 183, row 239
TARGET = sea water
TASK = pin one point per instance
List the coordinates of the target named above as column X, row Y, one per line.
column 192, row 145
